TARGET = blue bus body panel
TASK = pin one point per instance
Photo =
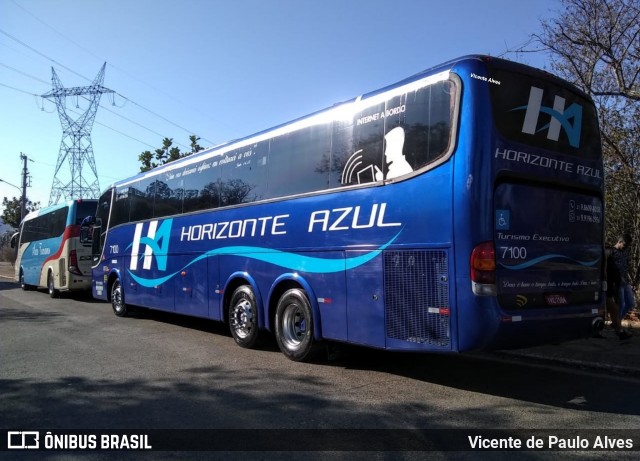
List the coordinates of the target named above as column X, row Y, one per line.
column 349, row 285
column 34, row 257
column 365, row 303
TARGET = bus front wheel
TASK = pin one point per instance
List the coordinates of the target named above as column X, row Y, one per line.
column 294, row 326
column 243, row 317
column 117, row 299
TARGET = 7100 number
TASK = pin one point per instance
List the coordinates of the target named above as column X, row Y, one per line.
column 514, row 252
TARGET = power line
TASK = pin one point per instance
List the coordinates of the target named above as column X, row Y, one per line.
column 42, row 54
column 98, row 123
column 100, row 175
column 172, row 97
column 140, row 125
column 24, row 73
column 18, row 89
column 82, row 76
column 55, row 30
column 117, row 131
column 111, row 65
column 87, row 99
column 86, row 50
column 160, row 116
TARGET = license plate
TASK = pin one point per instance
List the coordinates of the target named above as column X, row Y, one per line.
column 556, row 300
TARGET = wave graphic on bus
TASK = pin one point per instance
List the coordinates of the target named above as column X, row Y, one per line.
column 540, row 259
column 292, row 261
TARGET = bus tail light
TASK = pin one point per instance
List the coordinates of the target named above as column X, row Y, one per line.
column 73, row 263
column 483, row 269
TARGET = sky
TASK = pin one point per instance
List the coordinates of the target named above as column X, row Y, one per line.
column 219, row 69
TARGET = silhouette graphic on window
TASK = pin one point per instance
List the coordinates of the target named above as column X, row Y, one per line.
column 397, row 164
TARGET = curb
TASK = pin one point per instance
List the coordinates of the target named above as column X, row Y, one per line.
column 574, row 363
column 7, row 270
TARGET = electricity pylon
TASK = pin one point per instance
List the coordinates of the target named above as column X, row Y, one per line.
column 76, row 141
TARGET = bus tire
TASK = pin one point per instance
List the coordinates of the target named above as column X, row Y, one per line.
column 243, row 317
column 294, row 326
column 51, row 287
column 117, row 299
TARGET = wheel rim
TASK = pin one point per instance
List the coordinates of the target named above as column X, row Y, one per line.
column 50, row 284
column 242, row 319
column 116, row 298
column 294, row 326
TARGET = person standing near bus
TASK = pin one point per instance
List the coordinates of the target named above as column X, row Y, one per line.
column 616, row 268
column 620, row 253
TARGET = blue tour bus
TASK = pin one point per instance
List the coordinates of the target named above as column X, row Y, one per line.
column 50, row 253
column 459, row 209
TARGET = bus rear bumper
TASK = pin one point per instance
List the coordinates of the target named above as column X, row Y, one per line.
column 77, row 283
column 534, row 329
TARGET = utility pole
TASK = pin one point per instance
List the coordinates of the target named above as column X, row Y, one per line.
column 25, row 175
column 23, row 191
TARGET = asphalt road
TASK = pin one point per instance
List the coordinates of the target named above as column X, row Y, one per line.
column 71, row 364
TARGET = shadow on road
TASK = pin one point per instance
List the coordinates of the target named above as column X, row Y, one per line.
column 6, row 284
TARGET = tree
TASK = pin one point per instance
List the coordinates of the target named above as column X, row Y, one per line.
column 195, row 147
column 596, row 45
column 11, row 214
column 167, row 153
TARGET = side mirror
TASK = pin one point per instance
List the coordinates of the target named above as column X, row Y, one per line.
column 14, row 240
column 97, row 240
column 86, row 229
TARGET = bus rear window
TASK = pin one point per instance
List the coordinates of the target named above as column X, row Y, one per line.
column 85, row 208
column 540, row 113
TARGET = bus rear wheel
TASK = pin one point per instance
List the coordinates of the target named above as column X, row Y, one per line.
column 117, row 299
column 294, row 326
column 51, row 286
column 243, row 317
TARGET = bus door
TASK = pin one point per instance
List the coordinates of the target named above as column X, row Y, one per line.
column 149, row 276
column 150, row 291
column 365, row 303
